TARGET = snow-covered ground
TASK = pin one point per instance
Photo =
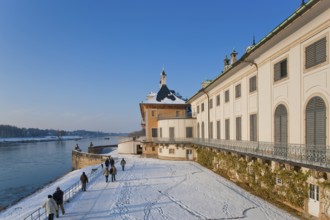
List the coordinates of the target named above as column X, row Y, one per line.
column 154, row 189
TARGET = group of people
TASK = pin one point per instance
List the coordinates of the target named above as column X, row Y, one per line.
column 54, row 203
column 113, row 170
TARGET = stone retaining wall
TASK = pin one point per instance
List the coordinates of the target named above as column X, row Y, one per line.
column 83, row 159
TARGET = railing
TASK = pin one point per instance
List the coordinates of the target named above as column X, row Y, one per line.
column 311, row 155
column 40, row 213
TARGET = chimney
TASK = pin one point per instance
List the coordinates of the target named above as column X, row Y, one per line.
column 226, row 63
column 233, row 56
column 151, row 95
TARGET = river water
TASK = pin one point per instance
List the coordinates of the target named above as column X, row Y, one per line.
column 26, row 167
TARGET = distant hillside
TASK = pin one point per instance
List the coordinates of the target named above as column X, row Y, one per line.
column 9, row 131
column 118, row 134
column 137, row 133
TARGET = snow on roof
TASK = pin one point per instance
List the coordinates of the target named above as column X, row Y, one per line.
column 164, row 96
column 153, row 189
column 164, row 101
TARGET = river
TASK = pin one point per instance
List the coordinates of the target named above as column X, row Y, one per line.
column 26, row 167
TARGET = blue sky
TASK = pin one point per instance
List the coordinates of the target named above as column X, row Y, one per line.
column 77, row 64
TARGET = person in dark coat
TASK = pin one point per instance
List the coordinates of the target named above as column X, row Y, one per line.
column 113, row 172
column 58, row 197
column 112, row 161
column 107, row 162
column 77, row 148
column 123, row 163
column 84, row 181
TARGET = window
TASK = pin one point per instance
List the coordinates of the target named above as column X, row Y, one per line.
column 218, row 130
column 211, row 130
column 238, row 128
column 152, row 113
column 316, row 122
column 160, row 150
column 171, row 132
column 153, row 148
column 211, row 103
column 253, row 84
column 280, row 70
column 198, row 131
column 218, row 100
column 197, row 109
column 316, row 53
column 315, row 129
column 154, row 132
column 227, row 129
column 281, row 131
column 203, row 130
column 189, row 132
column 160, row 132
column 253, row 127
column 227, row 96
column 177, row 113
column 171, row 151
column 314, row 192
column 238, row 91
column 202, row 107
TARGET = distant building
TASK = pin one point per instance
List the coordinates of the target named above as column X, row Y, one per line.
column 165, row 104
column 130, row 145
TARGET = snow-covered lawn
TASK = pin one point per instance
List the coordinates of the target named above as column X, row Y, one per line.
column 154, row 189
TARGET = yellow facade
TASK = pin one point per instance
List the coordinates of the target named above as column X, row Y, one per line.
column 151, row 113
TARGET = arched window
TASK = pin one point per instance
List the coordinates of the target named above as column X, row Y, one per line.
column 203, row 130
column 281, row 131
column 198, row 131
column 315, row 129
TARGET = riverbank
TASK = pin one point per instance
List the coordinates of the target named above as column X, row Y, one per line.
column 37, row 139
column 26, row 167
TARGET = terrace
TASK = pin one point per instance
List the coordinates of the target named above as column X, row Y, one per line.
column 311, row 156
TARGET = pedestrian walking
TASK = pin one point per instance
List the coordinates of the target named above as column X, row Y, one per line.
column 113, row 172
column 106, row 173
column 107, row 162
column 58, row 197
column 84, row 181
column 123, row 163
column 112, row 161
column 51, row 207
column 102, row 165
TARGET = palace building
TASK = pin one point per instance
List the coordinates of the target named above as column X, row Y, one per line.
column 269, row 107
